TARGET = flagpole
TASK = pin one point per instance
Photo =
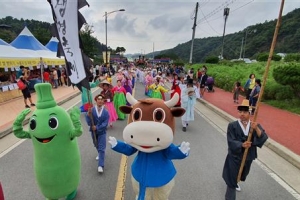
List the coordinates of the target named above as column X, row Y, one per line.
column 262, row 88
column 92, row 120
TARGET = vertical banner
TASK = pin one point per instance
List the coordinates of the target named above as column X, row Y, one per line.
column 104, row 56
column 66, row 14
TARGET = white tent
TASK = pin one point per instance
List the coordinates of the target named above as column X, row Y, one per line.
column 8, row 51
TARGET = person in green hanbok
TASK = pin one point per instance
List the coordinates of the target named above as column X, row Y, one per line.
column 157, row 89
column 119, row 99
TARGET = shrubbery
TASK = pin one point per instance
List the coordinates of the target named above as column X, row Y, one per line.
column 263, row 57
column 212, row 59
column 292, row 57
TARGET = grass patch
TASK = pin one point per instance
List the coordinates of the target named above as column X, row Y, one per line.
column 292, row 105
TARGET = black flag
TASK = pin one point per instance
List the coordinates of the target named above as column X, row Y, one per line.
column 67, row 24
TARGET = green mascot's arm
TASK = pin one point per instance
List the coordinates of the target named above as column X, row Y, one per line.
column 95, row 84
column 75, row 117
column 18, row 125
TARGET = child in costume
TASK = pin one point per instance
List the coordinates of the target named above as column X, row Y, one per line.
column 119, row 93
column 148, row 82
column 108, row 78
column 108, row 95
column 188, row 101
column 150, row 133
column 157, row 89
column 54, row 135
column 97, row 118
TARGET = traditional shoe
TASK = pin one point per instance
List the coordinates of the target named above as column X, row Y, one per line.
column 27, row 106
column 100, row 169
column 97, row 158
column 238, row 188
column 32, row 104
column 184, row 129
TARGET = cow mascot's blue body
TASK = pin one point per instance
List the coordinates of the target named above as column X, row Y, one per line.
column 150, row 133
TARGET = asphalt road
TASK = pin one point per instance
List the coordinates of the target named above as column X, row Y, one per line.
column 198, row 177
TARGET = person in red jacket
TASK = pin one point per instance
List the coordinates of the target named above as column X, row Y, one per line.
column 46, row 76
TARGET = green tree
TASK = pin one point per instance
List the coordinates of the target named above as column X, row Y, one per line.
column 288, row 75
column 89, row 42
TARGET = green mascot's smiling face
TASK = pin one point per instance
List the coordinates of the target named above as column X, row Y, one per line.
column 50, row 126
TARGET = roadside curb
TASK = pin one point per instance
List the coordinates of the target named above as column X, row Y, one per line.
column 9, row 130
column 279, row 149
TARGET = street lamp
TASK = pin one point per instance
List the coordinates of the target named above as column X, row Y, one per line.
column 247, row 32
column 105, row 15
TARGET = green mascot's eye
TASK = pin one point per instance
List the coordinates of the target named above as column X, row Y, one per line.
column 53, row 122
column 32, row 124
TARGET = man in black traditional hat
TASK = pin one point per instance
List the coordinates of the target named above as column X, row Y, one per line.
column 237, row 134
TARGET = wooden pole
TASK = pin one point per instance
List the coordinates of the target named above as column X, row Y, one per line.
column 92, row 120
column 262, row 88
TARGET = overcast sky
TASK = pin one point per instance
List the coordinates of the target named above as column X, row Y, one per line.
column 164, row 23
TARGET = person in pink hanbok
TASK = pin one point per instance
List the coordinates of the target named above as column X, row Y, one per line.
column 148, row 82
column 108, row 95
column 119, row 99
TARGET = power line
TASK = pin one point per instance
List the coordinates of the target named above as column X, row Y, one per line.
column 203, row 22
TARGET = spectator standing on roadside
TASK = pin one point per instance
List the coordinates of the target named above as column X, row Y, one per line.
column 236, row 91
column 26, row 92
column 59, row 77
column 254, row 95
column 55, row 78
column 202, row 82
column 249, row 85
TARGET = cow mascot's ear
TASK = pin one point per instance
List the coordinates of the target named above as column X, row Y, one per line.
column 150, row 132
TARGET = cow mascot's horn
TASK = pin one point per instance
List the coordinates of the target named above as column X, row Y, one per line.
column 131, row 99
column 172, row 102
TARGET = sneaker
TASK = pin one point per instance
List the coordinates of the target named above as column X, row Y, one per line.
column 238, row 188
column 184, row 129
column 97, row 158
column 32, row 104
column 27, row 106
column 100, row 169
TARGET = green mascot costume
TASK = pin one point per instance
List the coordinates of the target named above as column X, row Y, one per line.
column 56, row 154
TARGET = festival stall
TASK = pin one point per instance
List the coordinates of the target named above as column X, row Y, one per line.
column 25, row 50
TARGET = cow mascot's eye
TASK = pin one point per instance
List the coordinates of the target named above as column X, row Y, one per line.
column 159, row 115
column 137, row 114
column 53, row 123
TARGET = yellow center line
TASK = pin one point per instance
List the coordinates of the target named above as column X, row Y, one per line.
column 120, row 188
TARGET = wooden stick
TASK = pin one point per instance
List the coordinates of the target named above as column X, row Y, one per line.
column 262, row 88
column 92, row 121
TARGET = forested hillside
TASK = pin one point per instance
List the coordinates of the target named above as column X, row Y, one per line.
column 288, row 41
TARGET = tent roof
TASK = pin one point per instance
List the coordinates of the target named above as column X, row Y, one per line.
column 30, row 45
column 26, row 40
column 52, row 44
column 8, row 51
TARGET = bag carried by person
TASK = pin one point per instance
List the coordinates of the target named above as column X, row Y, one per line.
column 21, row 85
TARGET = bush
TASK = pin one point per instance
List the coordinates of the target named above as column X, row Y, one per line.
column 288, row 75
column 263, row 57
column 212, row 59
column 293, row 57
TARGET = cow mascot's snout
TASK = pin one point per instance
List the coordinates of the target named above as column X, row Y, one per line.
column 150, row 132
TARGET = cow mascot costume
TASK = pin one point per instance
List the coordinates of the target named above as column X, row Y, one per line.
column 150, row 133
column 54, row 133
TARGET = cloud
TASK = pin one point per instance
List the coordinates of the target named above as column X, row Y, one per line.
column 160, row 23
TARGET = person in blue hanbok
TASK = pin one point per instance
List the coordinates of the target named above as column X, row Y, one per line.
column 188, row 101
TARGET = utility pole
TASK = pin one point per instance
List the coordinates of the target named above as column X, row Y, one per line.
column 226, row 13
column 153, row 51
column 241, row 49
column 194, row 30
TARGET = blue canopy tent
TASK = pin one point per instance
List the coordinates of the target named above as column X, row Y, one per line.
column 52, row 44
column 28, row 43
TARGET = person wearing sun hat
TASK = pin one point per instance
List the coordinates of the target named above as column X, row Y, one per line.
column 108, row 95
column 237, row 134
